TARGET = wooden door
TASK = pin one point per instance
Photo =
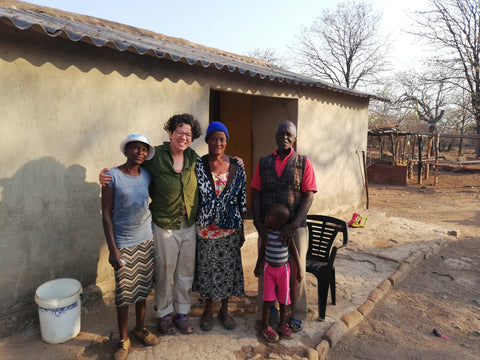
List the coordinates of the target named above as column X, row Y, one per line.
column 236, row 114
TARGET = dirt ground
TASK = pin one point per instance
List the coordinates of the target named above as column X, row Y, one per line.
column 441, row 293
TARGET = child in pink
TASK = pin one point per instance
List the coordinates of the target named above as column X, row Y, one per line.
column 274, row 258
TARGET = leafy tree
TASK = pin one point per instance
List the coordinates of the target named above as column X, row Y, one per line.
column 342, row 46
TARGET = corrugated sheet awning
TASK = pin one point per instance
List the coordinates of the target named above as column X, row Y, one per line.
column 145, row 42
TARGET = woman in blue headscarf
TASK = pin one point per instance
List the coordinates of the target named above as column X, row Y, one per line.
column 220, row 233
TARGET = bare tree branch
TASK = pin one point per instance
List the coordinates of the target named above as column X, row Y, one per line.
column 342, row 46
column 453, row 27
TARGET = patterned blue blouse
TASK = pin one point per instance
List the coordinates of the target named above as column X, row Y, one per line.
column 226, row 210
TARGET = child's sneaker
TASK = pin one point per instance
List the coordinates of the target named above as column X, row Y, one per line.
column 286, row 332
column 122, row 351
column 146, row 336
column 270, row 334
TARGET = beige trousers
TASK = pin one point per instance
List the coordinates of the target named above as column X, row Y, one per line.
column 174, row 268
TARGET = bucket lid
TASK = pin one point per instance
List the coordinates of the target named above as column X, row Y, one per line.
column 58, row 292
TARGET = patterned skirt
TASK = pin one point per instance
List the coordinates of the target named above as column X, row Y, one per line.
column 134, row 280
column 218, row 268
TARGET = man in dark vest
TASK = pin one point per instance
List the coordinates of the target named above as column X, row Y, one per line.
column 286, row 177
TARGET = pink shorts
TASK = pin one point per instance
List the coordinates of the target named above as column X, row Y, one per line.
column 276, row 283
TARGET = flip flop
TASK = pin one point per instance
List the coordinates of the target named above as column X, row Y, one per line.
column 296, row 325
column 183, row 324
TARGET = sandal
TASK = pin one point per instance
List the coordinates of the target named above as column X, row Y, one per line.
column 296, row 325
column 166, row 325
column 228, row 323
column 270, row 334
column 183, row 324
column 286, row 332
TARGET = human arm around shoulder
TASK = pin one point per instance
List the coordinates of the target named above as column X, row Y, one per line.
column 239, row 162
column 107, row 208
column 103, row 178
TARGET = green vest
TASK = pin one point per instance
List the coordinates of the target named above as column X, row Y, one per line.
column 172, row 192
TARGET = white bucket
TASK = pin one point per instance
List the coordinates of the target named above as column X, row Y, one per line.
column 59, row 308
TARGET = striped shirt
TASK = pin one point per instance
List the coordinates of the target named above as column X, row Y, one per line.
column 275, row 253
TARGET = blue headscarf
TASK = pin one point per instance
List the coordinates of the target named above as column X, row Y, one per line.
column 215, row 126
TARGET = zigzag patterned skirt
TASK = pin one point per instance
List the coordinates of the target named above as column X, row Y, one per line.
column 134, row 280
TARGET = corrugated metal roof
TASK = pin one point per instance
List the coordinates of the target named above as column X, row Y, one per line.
column 144, row 42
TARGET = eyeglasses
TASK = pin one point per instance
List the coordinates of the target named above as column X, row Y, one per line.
column 180, row 133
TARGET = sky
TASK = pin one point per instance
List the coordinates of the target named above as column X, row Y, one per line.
column 242, row 26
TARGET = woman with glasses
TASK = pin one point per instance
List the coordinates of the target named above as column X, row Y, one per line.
column 174, row 207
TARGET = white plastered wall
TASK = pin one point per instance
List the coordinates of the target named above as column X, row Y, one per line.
column 64, row 111
column 332, row 131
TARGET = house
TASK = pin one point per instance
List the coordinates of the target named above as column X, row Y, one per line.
column 72, row 87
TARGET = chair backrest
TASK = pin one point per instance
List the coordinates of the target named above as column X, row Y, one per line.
column 322, row 231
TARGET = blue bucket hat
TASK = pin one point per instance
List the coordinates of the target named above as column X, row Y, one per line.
column 215, row 126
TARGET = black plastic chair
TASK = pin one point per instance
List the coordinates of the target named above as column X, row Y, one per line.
column 322, row 231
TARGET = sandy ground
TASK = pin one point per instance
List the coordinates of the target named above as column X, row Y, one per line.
column 441, row 293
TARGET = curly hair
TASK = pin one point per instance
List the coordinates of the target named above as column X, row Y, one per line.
column 177, row 120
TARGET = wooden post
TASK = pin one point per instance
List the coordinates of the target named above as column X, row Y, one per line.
column 427, row 156
column 435, row 177
column 392, row 149
column 380, row 142
column 365, row 176
column 420, row 138
column 413, row 143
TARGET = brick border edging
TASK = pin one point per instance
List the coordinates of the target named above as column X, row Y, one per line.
column 349, row 321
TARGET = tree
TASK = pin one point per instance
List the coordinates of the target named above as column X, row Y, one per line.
column 462, row 113
column 342, row 46
column 427, row 94
column 268, row 55
column 453, row 28
column 391, row 114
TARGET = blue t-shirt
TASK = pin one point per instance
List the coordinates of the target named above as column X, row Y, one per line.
column 132, row 221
